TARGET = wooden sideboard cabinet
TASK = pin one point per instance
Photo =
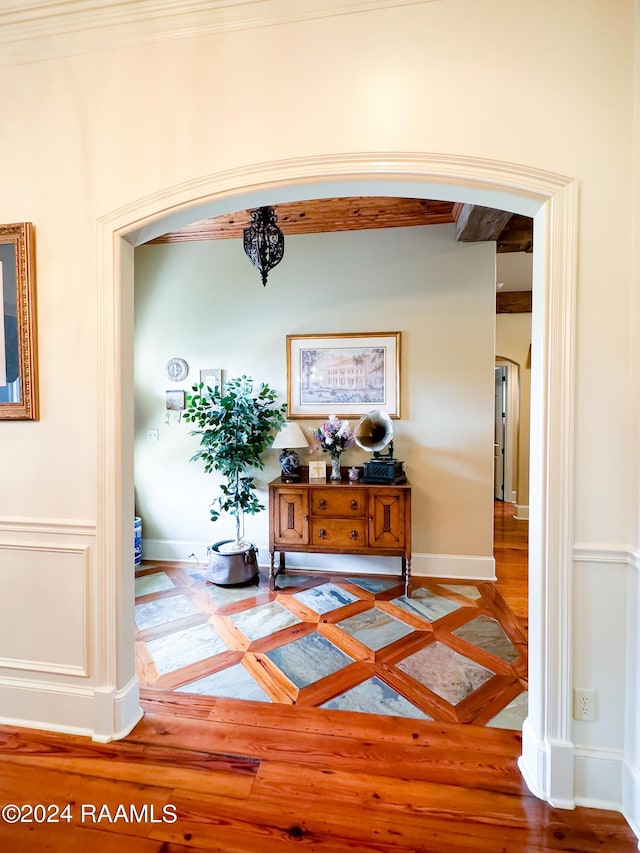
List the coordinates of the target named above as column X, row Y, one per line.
column 339, row 517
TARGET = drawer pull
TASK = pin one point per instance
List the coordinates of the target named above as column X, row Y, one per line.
column 322, row 533
column 354, row 534
column 354, row 504
column 322, row 504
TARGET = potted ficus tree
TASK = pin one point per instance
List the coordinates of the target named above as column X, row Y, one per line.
column 236, row 425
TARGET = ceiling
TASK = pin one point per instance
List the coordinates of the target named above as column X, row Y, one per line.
column 512, row 233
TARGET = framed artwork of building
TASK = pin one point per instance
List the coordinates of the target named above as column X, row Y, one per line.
column 346, row 374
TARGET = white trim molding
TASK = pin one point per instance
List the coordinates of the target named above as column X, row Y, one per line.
column 552, row 200
column 48, row 526
column 44, row 29
column 102, row 715
column 631, row 796
column 82, row 553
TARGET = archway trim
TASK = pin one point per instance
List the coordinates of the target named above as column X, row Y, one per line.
column 547, row 758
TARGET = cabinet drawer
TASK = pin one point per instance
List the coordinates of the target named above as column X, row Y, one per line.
column 342, row 533
column 346, row 503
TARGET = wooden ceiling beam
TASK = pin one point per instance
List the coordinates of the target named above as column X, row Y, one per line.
column 475, row 224
column 517, row 236
column 324, row 215
column 513, row 302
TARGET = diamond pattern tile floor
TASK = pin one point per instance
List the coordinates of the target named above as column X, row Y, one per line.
column 449, row 652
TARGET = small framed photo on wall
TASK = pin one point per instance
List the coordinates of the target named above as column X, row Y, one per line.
column 211, row 378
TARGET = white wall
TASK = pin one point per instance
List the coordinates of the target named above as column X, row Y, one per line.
column 631, row 776
column 513, row 341
column 94, row 133
column 205, row 302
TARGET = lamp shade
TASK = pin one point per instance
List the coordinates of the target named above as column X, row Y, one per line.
column 290, row 435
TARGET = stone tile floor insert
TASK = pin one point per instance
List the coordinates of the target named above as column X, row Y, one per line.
column 450, row 652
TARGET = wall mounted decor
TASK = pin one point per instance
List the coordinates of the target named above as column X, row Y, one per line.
column 177, row 369
column 175, row 400
column 211, row 378
column 345, row 375
column 18, row 363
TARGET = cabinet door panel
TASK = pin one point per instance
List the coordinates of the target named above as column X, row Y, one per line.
column 291, row 517
column 387, row 519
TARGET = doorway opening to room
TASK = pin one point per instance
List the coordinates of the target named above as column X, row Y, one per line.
column 452, row 651
column 551, row 200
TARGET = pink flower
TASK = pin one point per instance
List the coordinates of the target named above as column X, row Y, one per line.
column 333, row 436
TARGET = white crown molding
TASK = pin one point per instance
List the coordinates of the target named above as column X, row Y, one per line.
column 47, row 29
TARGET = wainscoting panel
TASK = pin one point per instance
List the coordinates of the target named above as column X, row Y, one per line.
column 44, row 607
column 52, row 676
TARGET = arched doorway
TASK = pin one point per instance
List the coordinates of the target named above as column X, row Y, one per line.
column 547, row 758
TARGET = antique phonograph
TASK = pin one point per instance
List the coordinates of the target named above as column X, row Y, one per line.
column 373, row 432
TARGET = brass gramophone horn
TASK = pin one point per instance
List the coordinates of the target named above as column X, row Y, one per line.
column 374, row 431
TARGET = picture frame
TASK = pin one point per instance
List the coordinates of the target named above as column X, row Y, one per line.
column 211, row 377
column 346, row 375
column 18, row 361
column 175, row 400
column 317, row 470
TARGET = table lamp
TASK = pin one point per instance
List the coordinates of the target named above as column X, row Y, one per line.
column 290, row 436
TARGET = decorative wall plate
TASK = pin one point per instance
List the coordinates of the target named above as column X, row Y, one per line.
column 177, row 369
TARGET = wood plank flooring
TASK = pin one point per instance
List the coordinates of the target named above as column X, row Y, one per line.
column 202, row 774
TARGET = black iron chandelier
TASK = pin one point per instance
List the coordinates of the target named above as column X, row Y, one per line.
column 264, row 241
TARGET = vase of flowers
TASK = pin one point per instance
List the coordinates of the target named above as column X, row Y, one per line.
column 333, row 437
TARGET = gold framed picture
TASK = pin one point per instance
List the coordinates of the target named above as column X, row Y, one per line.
column 347, row 375
column 18, row 364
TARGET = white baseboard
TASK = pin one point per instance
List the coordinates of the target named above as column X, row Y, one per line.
column 454, row 566
column 102, row 715
column 598, row 778
column 168, row 550
column 547, row 767
column 604, row 779
column 631, row 797
column 522, row 512
column 422, row 565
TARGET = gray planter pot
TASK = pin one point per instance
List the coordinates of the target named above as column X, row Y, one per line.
column 230, row 569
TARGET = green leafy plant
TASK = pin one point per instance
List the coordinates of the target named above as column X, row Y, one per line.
column 236, row 425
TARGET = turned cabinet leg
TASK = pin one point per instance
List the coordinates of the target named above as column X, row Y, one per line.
column 406, row 574
column 272, row 573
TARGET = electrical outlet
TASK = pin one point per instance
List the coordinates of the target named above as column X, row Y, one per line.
column 584, row 704
column 153, row 435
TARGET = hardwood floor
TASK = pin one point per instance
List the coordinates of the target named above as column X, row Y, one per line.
column 510, row 549
column 217, row 774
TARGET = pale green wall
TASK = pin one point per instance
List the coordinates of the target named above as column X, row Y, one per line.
column 204, row 302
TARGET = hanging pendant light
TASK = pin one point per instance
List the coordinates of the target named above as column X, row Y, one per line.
column 264, row 241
